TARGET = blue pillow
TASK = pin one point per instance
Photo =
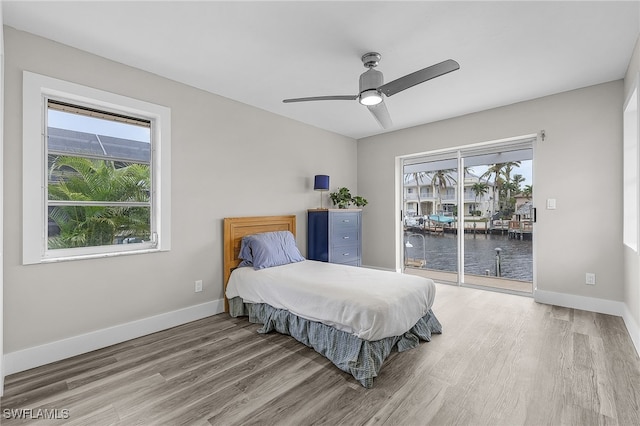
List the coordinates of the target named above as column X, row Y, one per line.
column 245, row 252
column 269, row 249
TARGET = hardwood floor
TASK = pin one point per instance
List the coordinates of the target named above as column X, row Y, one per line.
column 501, row 360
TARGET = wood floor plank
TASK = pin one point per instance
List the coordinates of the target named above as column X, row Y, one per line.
column 88, row 409
column 549, row 377
column 419, row 399
column 102, row 416
column 40, row 374
column 152, row 399
column 195, row 385
column 501, row 360
column 622, row 369
column 152, row 353
column 306, row 385
column 604, row 385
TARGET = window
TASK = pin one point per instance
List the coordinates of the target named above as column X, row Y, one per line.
column 96, row 173
column 426, row 192
column 449, row 193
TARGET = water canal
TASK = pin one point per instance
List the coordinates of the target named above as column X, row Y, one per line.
column 440, row 253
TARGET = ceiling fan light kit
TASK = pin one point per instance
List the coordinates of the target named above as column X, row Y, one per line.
column 372, row 86
column 370, row 97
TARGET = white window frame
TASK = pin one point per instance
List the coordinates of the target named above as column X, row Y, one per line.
column 36, row 89
column 631, row 169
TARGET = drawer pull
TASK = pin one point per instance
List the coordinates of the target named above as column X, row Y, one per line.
column 345, row 238
column 345, row 254
column 346, row 221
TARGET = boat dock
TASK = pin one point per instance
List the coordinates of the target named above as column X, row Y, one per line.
column 516, row 229
column 521, row 229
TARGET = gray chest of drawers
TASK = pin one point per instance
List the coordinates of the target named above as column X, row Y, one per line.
column 334, row 235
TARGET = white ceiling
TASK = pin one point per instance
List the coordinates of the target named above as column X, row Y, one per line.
column 261, row 52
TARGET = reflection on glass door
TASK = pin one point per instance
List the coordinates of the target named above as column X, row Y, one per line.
column 468, row 217
column 498, row 220
column 430, row 194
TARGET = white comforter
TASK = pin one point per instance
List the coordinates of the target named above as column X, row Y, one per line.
column 368, row 303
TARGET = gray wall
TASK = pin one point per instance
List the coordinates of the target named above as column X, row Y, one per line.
column 228, row 159
column 579, row 164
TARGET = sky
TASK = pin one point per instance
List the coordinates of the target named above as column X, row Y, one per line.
column 524, row 170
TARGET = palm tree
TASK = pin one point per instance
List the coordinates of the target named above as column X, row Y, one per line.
column 494, row 170
column 479, row 188
column 528, row 191
column 83, row 179
column 509, row 202
column 506, row 172
column 502, row 176
column 441, row 180
column 507, row 168
column 517, row 180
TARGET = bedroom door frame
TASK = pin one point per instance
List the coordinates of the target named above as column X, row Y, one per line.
column 527, row 141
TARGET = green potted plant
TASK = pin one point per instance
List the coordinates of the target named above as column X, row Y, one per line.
column 343, row 198
column 359, row 201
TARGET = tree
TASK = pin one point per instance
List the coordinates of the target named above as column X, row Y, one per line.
column 517, row 180
column 506, row 172
column 502, row 177
column 83, row 179
column 479, row 188
column 494, row 170
column 441, row 179
column 509, row 202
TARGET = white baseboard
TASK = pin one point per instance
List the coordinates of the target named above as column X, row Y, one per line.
column 592, row 304
column 380, row 268
column 36, row 356
column 632, row 328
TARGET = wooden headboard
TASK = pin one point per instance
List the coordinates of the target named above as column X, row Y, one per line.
column 237, row 227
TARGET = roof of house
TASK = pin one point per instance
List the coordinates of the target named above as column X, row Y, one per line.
column 65, row 142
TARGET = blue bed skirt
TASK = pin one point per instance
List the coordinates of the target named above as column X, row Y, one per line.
column 360, row 358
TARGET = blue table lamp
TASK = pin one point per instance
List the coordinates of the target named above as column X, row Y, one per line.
column 321, row 183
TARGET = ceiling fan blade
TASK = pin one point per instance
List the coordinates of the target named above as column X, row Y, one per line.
column 418, row 77
column 381, row 114
column 323, row 98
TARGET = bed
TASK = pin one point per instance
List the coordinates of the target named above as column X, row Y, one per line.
column 353, row 316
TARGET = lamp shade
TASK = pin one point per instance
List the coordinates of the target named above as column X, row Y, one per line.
column 321, row 183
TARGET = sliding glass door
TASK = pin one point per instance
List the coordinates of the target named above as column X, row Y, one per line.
column 498, row 230
column 468, row 216
column 430, row 211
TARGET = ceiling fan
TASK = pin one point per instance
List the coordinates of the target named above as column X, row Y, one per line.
column 372, row 87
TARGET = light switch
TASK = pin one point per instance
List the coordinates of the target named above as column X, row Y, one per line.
column 551, row 203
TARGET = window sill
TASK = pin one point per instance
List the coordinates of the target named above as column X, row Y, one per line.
column 98, row 255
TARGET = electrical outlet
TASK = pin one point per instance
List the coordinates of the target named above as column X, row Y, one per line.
column 198, row 284
column 590, row 278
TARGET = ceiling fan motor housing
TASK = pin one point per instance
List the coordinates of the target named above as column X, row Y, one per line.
column 370, row 79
